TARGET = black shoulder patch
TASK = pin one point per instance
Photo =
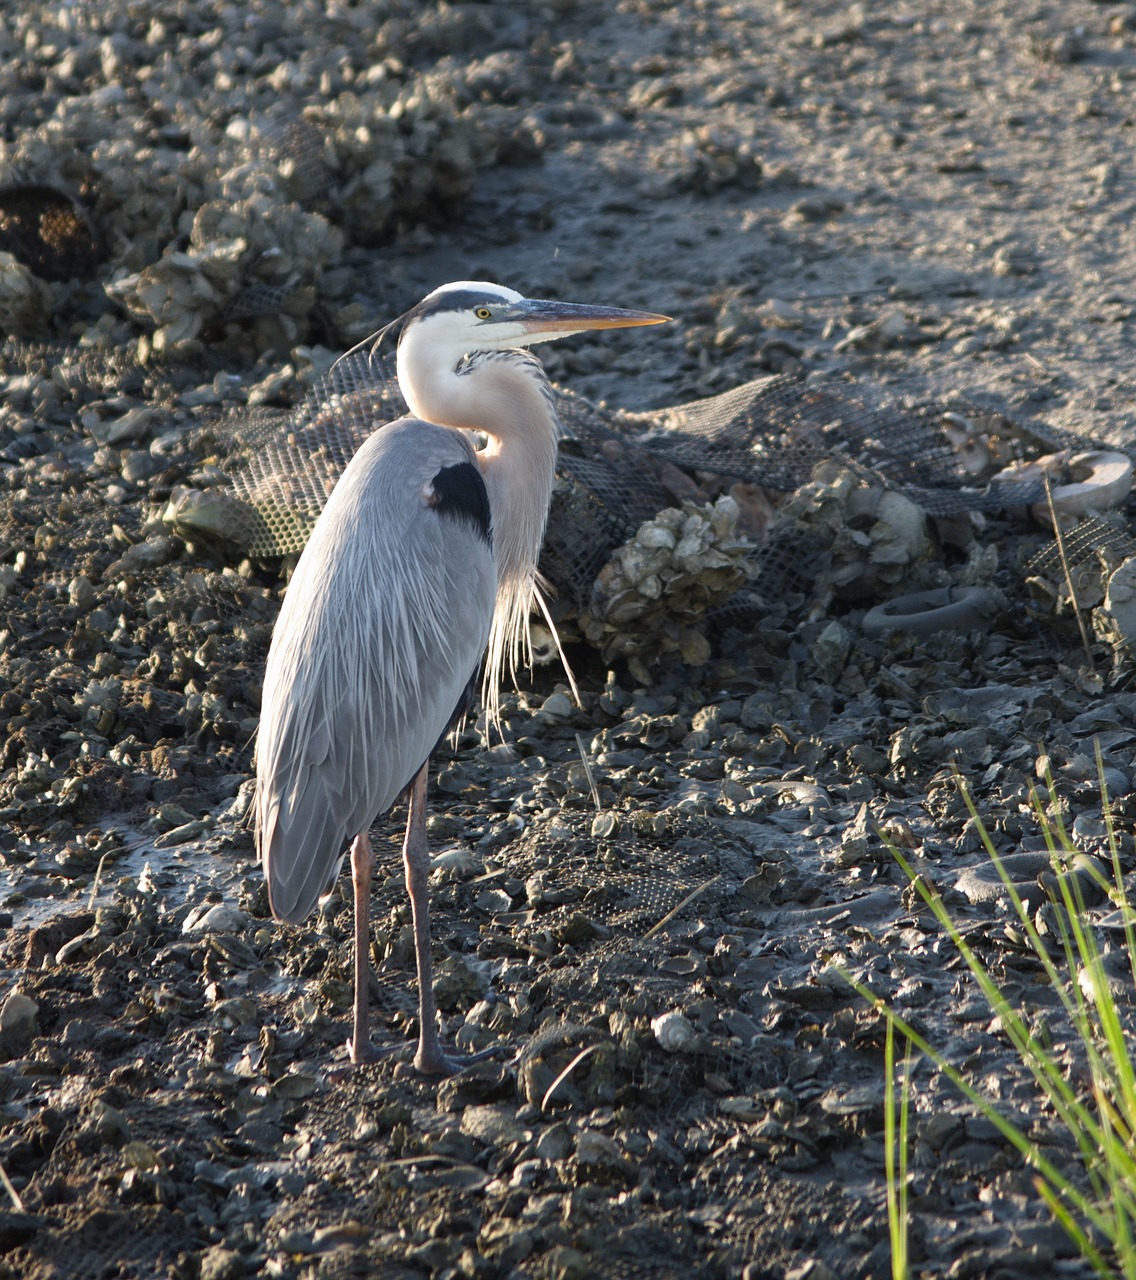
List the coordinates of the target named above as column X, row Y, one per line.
column 459, row 494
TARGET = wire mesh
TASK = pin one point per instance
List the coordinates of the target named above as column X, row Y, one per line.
column 611, row 469
column 1090, row 538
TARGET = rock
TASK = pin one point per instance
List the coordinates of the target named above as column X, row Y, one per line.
column 557, row 705
column 18, row 1018
column 495, row 1126
column 220, row 918
column 81, row 593
column 18, row 1228
column 554, row 1143
column 605, row 826
column 598, row 1150
column 566, row 1263
column 221, row 1263
column 108, row 1123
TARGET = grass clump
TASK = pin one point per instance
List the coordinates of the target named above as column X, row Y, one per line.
column 1094, row 1197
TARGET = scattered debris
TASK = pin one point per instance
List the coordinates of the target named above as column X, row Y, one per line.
column 714, row 844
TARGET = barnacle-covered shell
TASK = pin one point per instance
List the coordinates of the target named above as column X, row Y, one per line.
column 275, row 251
column 204, row 218
column 876, row 537
column 650, row 600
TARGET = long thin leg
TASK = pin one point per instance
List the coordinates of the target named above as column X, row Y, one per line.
column 429, row 1059
column 362, row 864
column 416, row 853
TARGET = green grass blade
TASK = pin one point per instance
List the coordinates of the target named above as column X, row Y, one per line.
column 896, row 1178
column 1099, row 1212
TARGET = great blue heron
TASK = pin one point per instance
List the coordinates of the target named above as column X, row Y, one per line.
column 425, row 553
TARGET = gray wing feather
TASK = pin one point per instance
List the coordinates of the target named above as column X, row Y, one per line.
column 384, row 623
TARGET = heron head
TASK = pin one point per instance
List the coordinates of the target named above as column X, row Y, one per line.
column 471, row 318
column 474, row 315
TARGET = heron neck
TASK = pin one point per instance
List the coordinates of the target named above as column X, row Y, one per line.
column 519, row 466
column 505, row 395
column 519, row 472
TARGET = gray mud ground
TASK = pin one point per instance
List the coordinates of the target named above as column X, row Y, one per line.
column 776, row 177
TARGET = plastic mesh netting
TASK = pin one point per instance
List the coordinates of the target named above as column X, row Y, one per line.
column 774, row 431
column 1091, row 537
column 613, row 464
column 286, row 463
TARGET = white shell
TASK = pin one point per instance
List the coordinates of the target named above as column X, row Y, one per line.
column 1106, row 485
column 1101, row 479
column 673, row 1032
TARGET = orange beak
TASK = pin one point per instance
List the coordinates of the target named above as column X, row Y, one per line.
column 556, row 319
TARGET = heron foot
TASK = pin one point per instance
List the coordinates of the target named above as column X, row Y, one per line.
column 438, row 1063
column 367, row 1052
column 359, row 1055
column 441, row 1063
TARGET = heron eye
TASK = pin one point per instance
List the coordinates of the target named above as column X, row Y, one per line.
column 482, row 313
